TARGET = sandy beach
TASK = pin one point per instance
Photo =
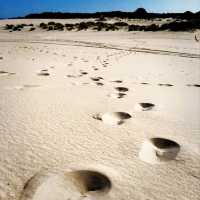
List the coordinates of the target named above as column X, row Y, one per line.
column 78, row 111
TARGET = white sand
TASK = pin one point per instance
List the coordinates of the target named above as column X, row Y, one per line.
column 47, row 125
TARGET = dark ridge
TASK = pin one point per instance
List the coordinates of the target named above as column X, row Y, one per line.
column 140, row 13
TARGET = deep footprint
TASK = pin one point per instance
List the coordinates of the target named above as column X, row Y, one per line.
column 75, row 185
column 158, row 150
column 144, row 106
column 121, row 89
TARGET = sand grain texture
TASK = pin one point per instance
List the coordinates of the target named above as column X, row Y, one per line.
column 47, row 129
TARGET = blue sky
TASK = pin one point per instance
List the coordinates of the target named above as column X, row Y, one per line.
column 13, row 8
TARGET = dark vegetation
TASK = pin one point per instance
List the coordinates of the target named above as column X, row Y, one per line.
column 186, row 21
column 18, row 27
column 140, row 13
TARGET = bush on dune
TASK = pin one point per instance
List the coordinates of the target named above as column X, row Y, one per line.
column 120, row 24
column 51, row 23
column 152, row 27
column 58, row 26
column 69, row 27
column 43, row 25
column 32, row 29
column 9, row 26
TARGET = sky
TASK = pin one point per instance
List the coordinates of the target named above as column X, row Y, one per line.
column 15, row 8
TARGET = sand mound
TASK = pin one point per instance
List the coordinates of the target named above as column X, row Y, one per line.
column 158, row 150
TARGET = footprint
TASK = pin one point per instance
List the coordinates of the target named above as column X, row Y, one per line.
column 30, row 86
column 117, row 81
column 96, row 78
column 99, row 84
column 114, row 118
column 4, row 73
column 144, row 83
column 144, row 106
column 158, row 150
column 75, row 185
column 117, row 95
column 165, row 84
column 70, row 76
column 43, row 74
column 84, row 73
column 194, row 85
column 121, row 89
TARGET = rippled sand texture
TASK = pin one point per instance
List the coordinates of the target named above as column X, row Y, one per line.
column 99, row 115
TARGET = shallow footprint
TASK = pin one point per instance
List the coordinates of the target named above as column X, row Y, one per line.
column 4, row 73
column 193, row 85
column 144, row 106
column 99, row 84
column 75, row 185
column 113, row 118
column 43, row 72
column 165, row 84
column 117, row 81
column 117, row 95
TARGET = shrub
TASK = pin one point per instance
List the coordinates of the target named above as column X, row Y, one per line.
column 101, row 18
column 120, row 24
column 51, row 23
column 9, row 26
column 59, row 26
column 69, row 27
column 180, row 26
column 50, row 28
column 43, row 25
column 136, row 28
column 152, row 27
column 111, row 27
column 32, row 29
column 82, row 26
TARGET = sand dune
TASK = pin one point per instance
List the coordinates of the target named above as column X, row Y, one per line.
column 99, row 115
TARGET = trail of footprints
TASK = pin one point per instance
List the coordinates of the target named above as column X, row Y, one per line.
column 90, row 184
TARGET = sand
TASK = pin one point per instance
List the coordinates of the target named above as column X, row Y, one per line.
column 78, row 111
